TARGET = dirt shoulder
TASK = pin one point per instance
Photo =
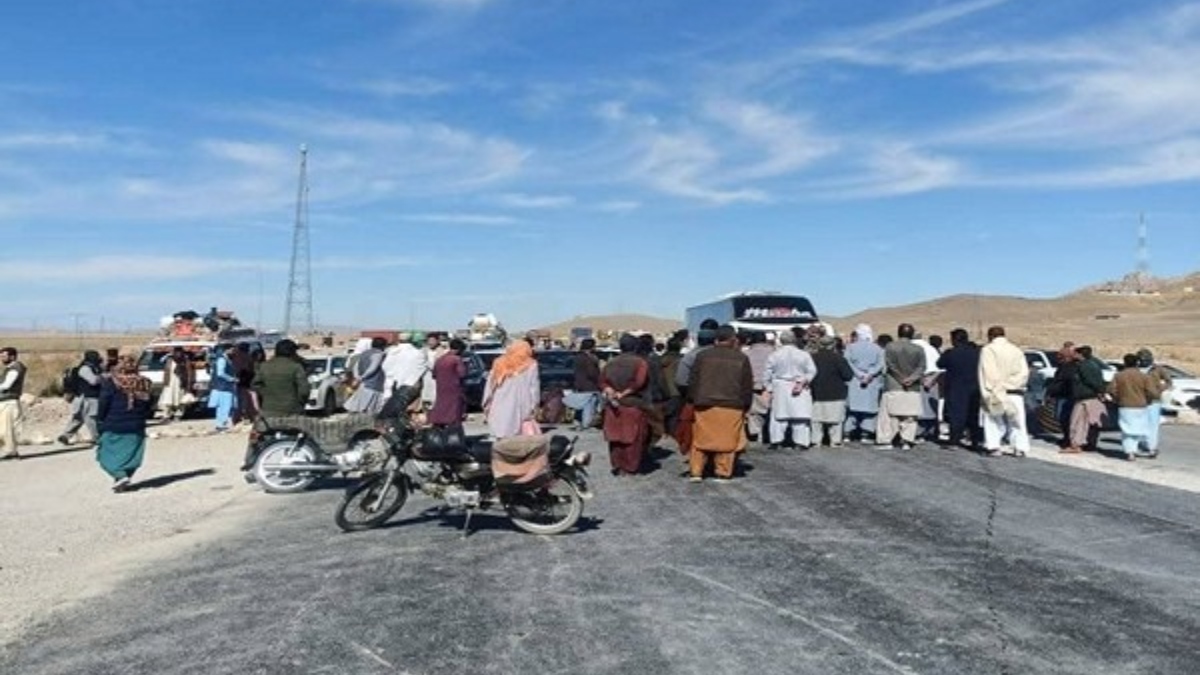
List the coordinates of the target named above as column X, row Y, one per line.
column 67, row 537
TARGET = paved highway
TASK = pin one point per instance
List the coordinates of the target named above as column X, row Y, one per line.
column 853, row 561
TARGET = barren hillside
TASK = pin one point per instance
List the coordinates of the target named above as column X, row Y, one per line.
column 1168, row 323
column 616, row 322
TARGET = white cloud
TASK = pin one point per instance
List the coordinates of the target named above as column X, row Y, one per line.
column 460, row 219
column 519, row 200
column 390, row 87
column 892, row 169
column 149, row 267
column 51, row 140
column 619, row 206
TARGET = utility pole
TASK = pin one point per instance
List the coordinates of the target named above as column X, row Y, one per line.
column 299, row 311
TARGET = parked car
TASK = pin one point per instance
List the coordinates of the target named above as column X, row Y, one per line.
column 325, row 377
column 1047, row 361
column 152, row 362
column 556, row 368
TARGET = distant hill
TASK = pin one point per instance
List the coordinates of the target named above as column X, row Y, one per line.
column 1112, row 322
column 617, row 323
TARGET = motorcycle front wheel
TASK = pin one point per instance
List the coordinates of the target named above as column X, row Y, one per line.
column 372, row 502
column 553, row 509
column 283, row 452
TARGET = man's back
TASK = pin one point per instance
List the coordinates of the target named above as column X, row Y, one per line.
column 905, row 361
column 282, row 386
column 722, row 377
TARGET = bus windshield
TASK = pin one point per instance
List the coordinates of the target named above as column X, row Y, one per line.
column 780, row 309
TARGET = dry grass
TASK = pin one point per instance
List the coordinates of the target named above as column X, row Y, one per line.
column 48, row 355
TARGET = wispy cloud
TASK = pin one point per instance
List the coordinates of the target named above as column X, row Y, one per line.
column 485, row 219
column 143, row 267
column 51, row 140
column 619, row 206
column 520, row 200
column 391, row 87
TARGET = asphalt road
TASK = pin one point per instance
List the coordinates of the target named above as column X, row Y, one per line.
column 854, row 561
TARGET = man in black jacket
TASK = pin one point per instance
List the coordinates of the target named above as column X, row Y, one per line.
column 961, row 388
column 1061, row 388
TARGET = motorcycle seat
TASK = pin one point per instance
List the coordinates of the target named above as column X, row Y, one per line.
column 560, row 446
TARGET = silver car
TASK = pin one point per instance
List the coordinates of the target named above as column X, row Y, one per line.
column 325, row 372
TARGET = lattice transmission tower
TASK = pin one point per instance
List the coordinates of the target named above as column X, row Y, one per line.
column 299, row 311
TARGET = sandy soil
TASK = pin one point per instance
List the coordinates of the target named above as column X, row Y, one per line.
column 67, row 537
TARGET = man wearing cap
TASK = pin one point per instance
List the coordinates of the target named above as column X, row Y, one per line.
column 1163, row 382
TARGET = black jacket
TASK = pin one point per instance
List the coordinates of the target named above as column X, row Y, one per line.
column 833, row 372
column 115, row 415
column 961, row 379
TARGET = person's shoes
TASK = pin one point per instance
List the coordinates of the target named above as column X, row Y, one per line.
column 722, row 481
column 64, row 440
column 1130, row 457
column 994, row 452
column 835, row 445
column 1148, row 454
column 908, row 446
column 1020, row 454
column 248, row 476
column 695, row 479
column 773, row 446
column 14, row 456
column 1071, row 450
column 121, row 485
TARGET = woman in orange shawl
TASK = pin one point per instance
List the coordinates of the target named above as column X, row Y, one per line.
column 513, row 391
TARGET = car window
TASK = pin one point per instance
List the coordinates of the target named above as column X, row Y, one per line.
column 315, row 366
column 1035, row 360
column 1177, row 372
column 339, row 364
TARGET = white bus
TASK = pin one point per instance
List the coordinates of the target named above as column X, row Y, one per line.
column 761, row 311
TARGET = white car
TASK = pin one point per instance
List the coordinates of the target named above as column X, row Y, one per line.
column 1047, row 361
column 1185, row 387
column 325, row 373
column 152, row 361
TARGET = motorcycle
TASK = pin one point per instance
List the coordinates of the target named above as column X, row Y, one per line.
column 457, row 470
column 287, row 455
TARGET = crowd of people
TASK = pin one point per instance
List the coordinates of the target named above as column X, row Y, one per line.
column 803, row 388
column 797, row 389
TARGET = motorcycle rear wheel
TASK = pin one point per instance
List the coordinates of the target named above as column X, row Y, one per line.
column 365, row 505
column 553, row 509
column 283, row 482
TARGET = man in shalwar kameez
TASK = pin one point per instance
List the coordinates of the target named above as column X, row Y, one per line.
column 790, row 371
column 626, row 426
column 721, row 387
column 902, row 398
column 866, row 360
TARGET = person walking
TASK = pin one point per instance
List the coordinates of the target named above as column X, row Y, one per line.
column 626, row 424
column 585, row 397
column 1133, row 391
column 829, row 391
column 449, row 400
column 513, row 392
column 84, row 382
column 721, row 387
column 901, row 404
column 223, row 387
column 788, row 377
column 369, row 380
column 960, row 381
column 124, row 406
column 1003, row 374
column 1163, row 382
column 866, row 360
column 12, row 386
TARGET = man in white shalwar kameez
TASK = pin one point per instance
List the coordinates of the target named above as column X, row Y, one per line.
column 403, row 365
column 788, row 374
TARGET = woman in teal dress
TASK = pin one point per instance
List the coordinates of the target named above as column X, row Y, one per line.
column 124, row 408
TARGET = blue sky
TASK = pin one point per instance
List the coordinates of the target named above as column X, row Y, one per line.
column 546, row 158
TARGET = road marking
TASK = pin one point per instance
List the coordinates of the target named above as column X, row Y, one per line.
column 796, row 616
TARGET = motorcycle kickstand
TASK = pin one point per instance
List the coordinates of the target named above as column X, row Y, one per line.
column 466, row 529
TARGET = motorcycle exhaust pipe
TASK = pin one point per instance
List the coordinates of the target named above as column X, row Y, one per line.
column 306, row 468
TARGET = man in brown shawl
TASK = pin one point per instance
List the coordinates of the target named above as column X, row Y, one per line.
column 626, row 426
column 721, row 388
